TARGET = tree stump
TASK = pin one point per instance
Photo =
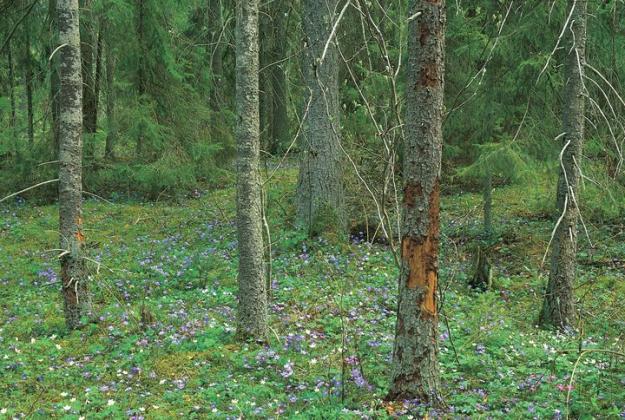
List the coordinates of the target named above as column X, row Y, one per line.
column 482, row 273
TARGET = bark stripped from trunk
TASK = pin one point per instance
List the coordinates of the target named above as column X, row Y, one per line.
column 320, row 198
column 415, row 372
column 70, row 165
column 558, row 306
column 252, row 311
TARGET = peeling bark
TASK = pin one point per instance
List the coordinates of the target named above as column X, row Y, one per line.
column 415, row 371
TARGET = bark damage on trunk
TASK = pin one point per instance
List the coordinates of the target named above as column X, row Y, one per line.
column 420, row 254
column 414, row 371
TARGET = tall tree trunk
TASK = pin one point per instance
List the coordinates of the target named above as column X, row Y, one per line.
column 415, row 370
column 70, row 165
column 54, row 79
column 214, row 51
column 111, row 134
column 89, row 107
column 140, row 5
column 278, row 134
column 28, row 79
column 320, row 200
column 280, row 120
column 87, row 50
column 11, row 88
column 252, row 311
column 98, row 75
column 266, row 85
column 558, row 306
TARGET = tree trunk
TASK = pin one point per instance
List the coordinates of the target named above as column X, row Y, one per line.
column 488, row 206
column 140, row 69
column 214, row 49
column 111, row 134
column 266, row 85
column 89, row 107
column 97, row 77
column 280, row 120
column 72, row 239
column 28, row 79
column 54, row 79
column 320, row 199
column 558, row 306
column 252, row 311
column 11, row 88
column 415, row 371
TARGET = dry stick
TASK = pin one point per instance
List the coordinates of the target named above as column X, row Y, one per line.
column 333, row 32
column 297, row 133
column 380, row 208
column 379, row 37
column 481, row 71
column 29, row 188
column 618, row 149
column 566, row 201
column 335, row 131
column 17, row 24
column 568, row 394
column 555, row 48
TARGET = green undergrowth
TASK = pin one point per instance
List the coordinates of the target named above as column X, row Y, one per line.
column 332, row 318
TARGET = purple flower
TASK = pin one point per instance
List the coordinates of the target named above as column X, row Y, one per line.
column 480, row 349
column 287, row 371
column 359, row 380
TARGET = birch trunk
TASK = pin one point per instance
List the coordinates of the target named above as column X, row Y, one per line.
column 70, row 165
column 252, row 310
column 415, row 371
column 558, row 306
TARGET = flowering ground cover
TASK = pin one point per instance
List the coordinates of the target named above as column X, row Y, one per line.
column 332, row 319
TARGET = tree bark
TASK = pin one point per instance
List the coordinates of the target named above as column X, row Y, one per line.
column 89, row 107
column 141, row 89
column 54, row 79
column 415, row 370
column 252, row 311
column 111, row 134
column 320, row 198
column 558, row 305
column 28, row 79
column 72, row 240
column 266, row 81
column 488, row 206
column 280, row 120
column 11, row 88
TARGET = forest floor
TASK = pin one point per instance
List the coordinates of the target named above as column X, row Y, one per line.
column 332, row 318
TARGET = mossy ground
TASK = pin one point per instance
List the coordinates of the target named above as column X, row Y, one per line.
column 332, row 318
